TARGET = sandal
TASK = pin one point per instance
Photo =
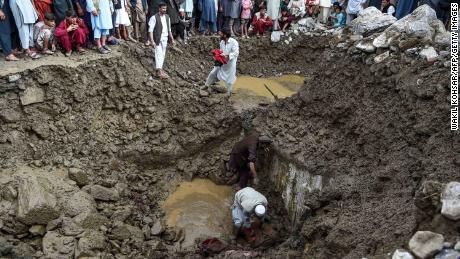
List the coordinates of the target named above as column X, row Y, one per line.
column 47, row 52
column 11, row 57
column 81, row 50
column 34, row 55
column 106, row 48
column 68, row 54
column 102, row 50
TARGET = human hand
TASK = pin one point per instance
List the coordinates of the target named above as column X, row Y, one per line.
column 95, row 13
column 80, row 11
column 2, row 15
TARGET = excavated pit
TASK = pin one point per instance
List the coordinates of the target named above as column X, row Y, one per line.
column 350, row 149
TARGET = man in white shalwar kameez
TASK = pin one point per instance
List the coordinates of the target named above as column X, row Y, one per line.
column 25, row 17
column 226, row 72
column 159, row 33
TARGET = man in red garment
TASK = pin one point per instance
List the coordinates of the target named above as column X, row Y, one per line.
column 71, row 33
column 261, row 22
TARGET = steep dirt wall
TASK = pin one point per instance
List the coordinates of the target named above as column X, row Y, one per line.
column 377, row 131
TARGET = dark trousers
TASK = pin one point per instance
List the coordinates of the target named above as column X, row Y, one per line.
column 5, row 43
column 244, row 176
column 178, row 29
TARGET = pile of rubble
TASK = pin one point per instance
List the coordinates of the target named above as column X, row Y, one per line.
column 427, row 244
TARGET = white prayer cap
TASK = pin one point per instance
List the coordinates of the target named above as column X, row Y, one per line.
column 181, row 10
column 260, row 210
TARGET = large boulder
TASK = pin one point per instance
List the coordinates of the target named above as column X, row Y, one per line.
column 418, row 24
column 450, row 199
column 36, row 205
column 58, row 246
column 425, row 244
column 371, row 19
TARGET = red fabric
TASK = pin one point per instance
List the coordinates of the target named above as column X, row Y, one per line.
column 74, row 38
column 42, row 7
column 261, row 24
column 217, row 56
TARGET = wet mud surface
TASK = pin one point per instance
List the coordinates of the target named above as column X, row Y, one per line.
column 377, row 130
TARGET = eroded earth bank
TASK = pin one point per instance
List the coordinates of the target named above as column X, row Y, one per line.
column 89, row 153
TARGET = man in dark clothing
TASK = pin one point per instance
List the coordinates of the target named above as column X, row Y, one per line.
column 177, row 28
column 243, row 158
column 244, row 155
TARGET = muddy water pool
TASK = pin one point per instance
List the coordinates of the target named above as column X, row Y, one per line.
column 201, row 208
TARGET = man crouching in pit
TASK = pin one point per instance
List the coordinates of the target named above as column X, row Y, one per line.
column 248, row 202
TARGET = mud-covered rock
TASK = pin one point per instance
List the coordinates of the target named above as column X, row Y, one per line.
column 32, row 95
column 79, row 176
column 157, row 228
column 10, row 115
column 70, row 228
column 450, row 199
column 57, row 246
column 36, row 205
column 37, row 230
column 425, row 244
column 90, row 220
column 80, row 202
column 90, row 244
column 103, row 193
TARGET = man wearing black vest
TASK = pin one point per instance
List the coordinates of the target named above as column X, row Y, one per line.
column 159, row 33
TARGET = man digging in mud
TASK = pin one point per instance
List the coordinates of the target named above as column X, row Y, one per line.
column 159, row 33
column 243, row 158
column 248, row 202
column 225, row 72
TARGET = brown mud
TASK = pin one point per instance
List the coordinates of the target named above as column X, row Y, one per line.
column 378, row 131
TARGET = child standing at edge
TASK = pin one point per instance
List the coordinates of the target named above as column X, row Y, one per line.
column 245, row 17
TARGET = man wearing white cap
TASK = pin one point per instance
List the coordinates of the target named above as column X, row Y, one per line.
column 248, row 202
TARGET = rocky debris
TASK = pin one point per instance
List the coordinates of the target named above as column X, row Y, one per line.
column 80, row 202
column 450, row 199
column 57, row 246
column 371, row 19
column 203, row 93
column 402, row 254
column 103, row 193
column 9, row 115
column 32, row 95
column 36, row 205
column 448, row 254
column 457, row 246
column 425, row 244
column 157, row 228
column 90, row 244
column 366, row 47
column 79, row 176
column 380, row 58
column 429, row 54
column 122, row 231
column 90, row 220
column 69, row 227
column 14, row 78
column 37, row 230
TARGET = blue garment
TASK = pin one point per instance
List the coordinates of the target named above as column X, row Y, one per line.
column 208, row 10
column 340, row 21
column 7, row 27
column 405, row 7
column 104, row 20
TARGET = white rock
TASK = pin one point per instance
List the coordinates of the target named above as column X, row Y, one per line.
column 275, row 36
column 425, row 244
column 380, row 58
column 447, row 254
column 429, row 53
column 402, row 254
column 32, row 95
column 371, row 19
column 366, row 47
column 35, row 204
column 384, row 39
column 416, row 24
column 286, row 42
column 443, row 39
column 457, row 246
column 296, row 32
column 450, row 199
column 14, row 78
column 37, row 230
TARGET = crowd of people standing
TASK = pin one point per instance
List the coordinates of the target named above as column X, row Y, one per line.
column 41, row 26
